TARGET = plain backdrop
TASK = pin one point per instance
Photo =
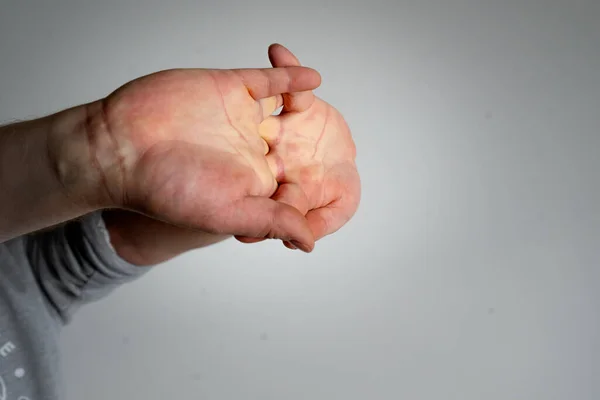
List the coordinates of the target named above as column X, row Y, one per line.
column 470, row 272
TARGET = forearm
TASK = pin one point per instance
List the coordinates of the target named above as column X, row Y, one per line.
column 33, row 156
column 142, row 241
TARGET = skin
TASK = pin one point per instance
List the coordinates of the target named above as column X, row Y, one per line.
column 311, row 154
column 313, row 157
column 181, row 147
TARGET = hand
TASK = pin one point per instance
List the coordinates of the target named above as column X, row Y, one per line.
column 182, row 146
column 312, row 155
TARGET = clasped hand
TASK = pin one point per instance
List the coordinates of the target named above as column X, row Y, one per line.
column 199, row 152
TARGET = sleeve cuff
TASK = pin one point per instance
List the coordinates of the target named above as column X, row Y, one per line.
column 95, row 230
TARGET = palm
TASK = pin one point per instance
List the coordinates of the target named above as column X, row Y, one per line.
column 202, row 121
column 314, row 155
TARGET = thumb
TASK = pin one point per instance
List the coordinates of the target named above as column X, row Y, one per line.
column 262, row 217
column 287, row 193
column 298, row 101
column 292, row 194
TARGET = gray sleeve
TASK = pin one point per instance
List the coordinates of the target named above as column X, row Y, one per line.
column 74, row 264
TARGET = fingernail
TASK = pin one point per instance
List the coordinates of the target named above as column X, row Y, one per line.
column 301, row 246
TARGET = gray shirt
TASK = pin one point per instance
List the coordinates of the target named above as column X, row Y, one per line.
column 44, row 278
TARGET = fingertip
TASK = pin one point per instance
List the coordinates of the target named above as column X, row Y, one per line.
column 279, row 54
column 316, row 76
column 299, row 231
column 269, row 105
column 298, row 100
column 318, row 223
column 319, row 77
column 266, row 82
column 293, row 195
column 302, row 246
column 288, row 245
column 275, row 46
column 305, row 80
column 248, row 240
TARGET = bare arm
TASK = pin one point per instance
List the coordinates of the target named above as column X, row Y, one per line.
column 179, row 146
column 32, row 196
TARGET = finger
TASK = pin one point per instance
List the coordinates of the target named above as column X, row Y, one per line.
column 329, row 219
column 266, row 82
column 269, row 105
column 271, row 130
column 290, row 194
column 289, row 245
column 276, row 163
column 324, row 221
column 249, row 240
column 279, row 56
column 293, row 195
column 261, row 217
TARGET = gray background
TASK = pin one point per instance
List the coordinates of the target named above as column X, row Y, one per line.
column 471, row 270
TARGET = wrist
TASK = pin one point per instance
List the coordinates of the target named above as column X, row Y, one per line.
column 141, row 240
column 84, row 157
column 121, row 242
column 133, row 238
